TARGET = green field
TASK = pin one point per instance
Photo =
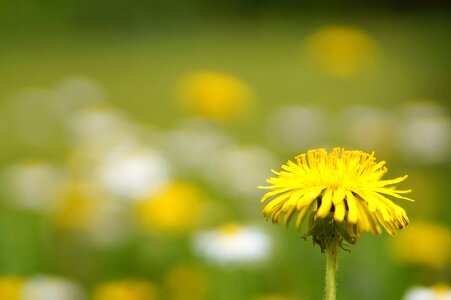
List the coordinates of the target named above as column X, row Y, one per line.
column 139, row 69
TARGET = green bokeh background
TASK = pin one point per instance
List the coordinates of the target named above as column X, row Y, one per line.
column 139, row 55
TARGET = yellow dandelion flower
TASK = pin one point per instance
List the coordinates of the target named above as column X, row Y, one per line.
column 341, row 190
column 125, row 290
column 215, row 95
column 75, row 208
column 425, row 244
column 175, row 209
column 11, row 288
column 341, row 51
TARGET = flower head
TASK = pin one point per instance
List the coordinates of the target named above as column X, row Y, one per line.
column 342, row 191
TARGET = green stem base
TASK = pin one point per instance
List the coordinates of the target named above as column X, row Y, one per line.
column 331, row 270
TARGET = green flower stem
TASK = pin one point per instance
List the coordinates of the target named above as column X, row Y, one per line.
column 331, row 270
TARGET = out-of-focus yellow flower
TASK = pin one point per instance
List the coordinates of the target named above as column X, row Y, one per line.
column 341, row 51
column 10, row 288
column 214, row 95
column 273, row 297
column 125, row 290
column 341, row 190
column 83, row 208
column 186, row 282
column 76, row 207
column 425, row 244
column 175, row 209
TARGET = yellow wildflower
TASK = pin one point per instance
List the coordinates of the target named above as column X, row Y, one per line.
column 10, row 288
column 125, row 290
column 214, row 95
column 342, row 191
column 425, row 244
column 75, row 209
column 176, row 208
column 341, row 51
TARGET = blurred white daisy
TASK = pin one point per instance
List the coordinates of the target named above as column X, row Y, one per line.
column 99, row 127
column 297, row 127
column 32, row 185
column 51, row 288
column 132, row 173
column 192, row 143
column 42, row 127
column 424, row 134
column 232, row 244
column 111, row 152
column 366, row 128
column 78, row 92
column 251, row 163
column 437, row 292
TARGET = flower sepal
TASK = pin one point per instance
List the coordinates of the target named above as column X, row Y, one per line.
column 326, row 232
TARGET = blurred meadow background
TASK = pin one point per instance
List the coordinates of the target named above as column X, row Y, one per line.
column 134, row 135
